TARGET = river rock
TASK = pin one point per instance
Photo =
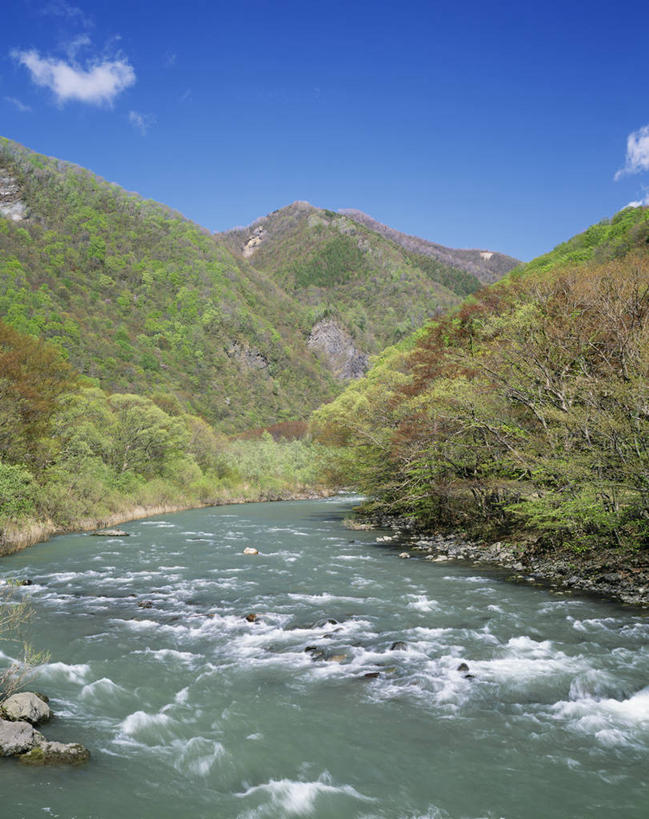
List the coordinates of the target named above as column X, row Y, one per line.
column 463, row 667
column 25, row 706
column 110, row 533
column 336, row 658
column 399, row 645
column 404, row 555
column 251, row 618
column 250, row 550
column 145, row 604
column 17, row 737
column 56, row 753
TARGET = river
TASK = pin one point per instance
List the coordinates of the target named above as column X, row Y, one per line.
column 189, row 710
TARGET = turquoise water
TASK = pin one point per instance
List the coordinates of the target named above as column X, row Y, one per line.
column 189, row 710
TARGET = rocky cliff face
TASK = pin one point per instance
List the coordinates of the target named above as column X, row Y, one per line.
column 334, row 344
column 11, row 204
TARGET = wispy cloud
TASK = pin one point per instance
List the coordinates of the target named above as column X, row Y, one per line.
column 170, row 59
column 61, row 8
column 18, row 104
column 637, row 153
column 99, row 82
column 75, row 45
column 141, row 122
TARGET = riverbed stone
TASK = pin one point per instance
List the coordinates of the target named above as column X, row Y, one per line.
column 56, row 753
column 404, row 555
column 17, row 737
column 25, row 706
column 399, row 645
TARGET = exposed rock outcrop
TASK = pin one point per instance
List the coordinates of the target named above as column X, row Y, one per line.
column 247, row 357
column 11, row 203
column 337, row 348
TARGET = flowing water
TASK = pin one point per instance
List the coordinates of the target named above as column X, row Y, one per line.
column 192, row 711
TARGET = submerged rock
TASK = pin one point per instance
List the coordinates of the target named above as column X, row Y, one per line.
column 145, row 604
column 17, row 737
column 336, row 658
column 56, row 753
column 371, row 675
column 399, row 645
column 315, row 652
column 25, row 706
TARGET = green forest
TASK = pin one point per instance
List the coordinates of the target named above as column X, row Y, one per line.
column 521, row 415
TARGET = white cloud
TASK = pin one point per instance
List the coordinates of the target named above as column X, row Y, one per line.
column 141, row 122
column 18, row 104
column 637, row 152
column 639, row 203
column 99, row 82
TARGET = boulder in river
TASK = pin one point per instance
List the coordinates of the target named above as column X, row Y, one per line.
column 336, row 658
column 463, row 667
column 404, row 555
column 250, row 550
column 56, row 753
column 251, row 618
column 17, row 737
column 25, row 706
column 145, row 604
column 399, row 645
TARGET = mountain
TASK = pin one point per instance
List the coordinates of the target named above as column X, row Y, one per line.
column 145, row 301
column 486, row 265
column 371, row 282
column 249, row 328
column 521, row 416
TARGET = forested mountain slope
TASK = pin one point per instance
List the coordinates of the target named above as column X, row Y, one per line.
column 486, row 265
column 353, row 271
column 523, row 414
column 145, row 301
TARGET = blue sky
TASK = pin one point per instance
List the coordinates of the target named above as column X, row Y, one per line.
column 500, row 125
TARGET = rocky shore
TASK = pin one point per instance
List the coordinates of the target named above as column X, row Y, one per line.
column 613, row 574
column 19, row 714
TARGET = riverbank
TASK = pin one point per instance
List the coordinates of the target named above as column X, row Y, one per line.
column 622, row 576
column 14, row 537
